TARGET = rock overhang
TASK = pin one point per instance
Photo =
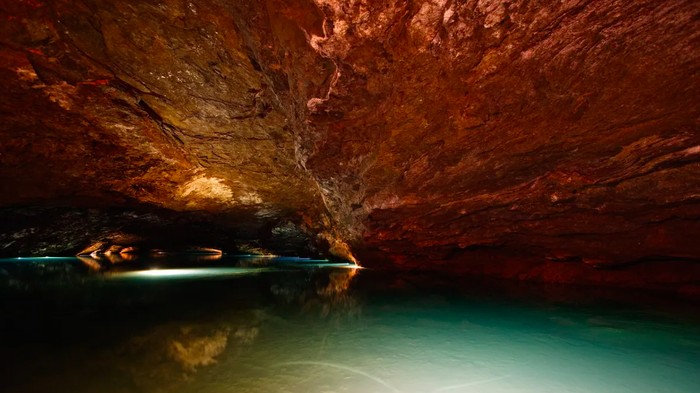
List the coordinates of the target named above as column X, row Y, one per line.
column 412, row 132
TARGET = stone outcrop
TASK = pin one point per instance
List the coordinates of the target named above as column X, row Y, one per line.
column 412, row 132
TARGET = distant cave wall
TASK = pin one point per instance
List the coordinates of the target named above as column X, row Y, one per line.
column 417, row 132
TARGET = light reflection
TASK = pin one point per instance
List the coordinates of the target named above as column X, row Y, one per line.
column 338, row 282
column 257, row 256
column 192, row 351
column 91, row 263
column 190, row 267
column 37, row 259
column 164, row 357
column 186, row 273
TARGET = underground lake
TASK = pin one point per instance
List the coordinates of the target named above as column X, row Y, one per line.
column 188, row 323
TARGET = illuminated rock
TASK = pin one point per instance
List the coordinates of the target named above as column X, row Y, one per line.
column 413, row 133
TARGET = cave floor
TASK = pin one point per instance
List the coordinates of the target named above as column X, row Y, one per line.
column 248, row 324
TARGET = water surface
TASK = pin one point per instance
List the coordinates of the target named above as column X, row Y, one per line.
column 201, row 324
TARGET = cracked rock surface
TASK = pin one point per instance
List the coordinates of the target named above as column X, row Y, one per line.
column 414, row 133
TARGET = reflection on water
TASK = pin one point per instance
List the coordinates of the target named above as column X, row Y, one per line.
column 266, row 325
column 166, row 356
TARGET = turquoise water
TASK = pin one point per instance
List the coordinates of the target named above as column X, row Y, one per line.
column 201, row 324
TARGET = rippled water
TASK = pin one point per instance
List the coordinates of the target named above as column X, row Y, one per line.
column 179, row 324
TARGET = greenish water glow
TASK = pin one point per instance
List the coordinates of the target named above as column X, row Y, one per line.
column 189, row 324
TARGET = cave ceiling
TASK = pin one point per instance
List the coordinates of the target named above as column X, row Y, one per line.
column 409, row 131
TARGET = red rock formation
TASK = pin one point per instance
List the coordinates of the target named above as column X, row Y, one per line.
column 413, row 131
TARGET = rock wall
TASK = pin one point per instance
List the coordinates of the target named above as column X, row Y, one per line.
column 146, row 105
column 413, row 132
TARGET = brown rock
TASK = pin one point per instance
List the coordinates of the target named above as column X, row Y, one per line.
column 414, row 132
